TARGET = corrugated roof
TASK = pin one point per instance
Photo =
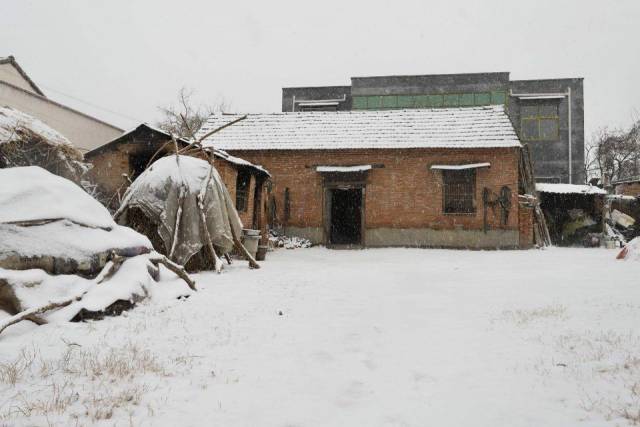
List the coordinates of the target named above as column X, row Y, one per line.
column 482, row 127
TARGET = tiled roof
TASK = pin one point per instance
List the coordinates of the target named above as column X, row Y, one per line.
column 483, row 127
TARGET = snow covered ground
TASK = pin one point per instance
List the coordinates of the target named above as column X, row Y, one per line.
column 385, row 337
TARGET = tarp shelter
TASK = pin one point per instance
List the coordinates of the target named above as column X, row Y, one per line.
column 163, row 203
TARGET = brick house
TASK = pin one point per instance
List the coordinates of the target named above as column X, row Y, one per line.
column 547, row 114
column 425, row 177
column 120, row 161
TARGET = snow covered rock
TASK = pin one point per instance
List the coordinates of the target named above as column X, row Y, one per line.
column 50, row 223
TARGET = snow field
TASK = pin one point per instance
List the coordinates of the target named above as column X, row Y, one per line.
column 384, row 337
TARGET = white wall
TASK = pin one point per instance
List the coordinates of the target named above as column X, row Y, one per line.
column 8, row 73
column 84, row 132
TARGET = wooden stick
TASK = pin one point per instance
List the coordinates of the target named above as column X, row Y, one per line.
column 240, row 247
column 178, row 219
column 217, row 262
column 33, row 312
column 179, row 270
column 208, row 134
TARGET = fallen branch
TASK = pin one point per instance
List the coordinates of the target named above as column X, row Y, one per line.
column 179, row 270
column 33, row 312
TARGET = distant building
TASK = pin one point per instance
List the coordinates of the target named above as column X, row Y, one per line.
column 17, row 90
column 439, row 178
column 547, row 114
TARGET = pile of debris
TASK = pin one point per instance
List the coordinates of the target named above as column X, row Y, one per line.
column 26, row 141
column 62, row 257
column 277, row 240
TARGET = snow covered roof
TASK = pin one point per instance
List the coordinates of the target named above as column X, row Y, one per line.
column 568, row 189
column 182, row 142
column 12, row 121
column 472, row 127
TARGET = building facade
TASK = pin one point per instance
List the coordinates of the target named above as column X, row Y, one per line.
column 423, row 178
column 546, row 114
column 18, row 91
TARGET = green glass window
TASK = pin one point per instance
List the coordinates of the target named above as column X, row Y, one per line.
column 389, row 101
column 498, row 97
column 483, row 99
column 466, row 100
column 374, row 102
column 405, row 101
column 422, row 101
column 436, row 100
column 451, row 100
column 359, row 103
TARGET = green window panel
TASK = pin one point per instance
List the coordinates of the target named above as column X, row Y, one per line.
column 498, row 97
column 405, row 101
column 389, row 101
column 422, row 101
column 466, row 100
column 374, row 102
column 482, row 98
column 359, row 103
column 436, row 100
column 451, row 100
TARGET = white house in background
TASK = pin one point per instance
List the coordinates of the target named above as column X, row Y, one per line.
column 17, row 90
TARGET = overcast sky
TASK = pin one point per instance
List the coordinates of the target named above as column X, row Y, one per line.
column 127, row 57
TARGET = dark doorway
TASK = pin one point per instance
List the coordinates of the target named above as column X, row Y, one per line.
column 346, row 216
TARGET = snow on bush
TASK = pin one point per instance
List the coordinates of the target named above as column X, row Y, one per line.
column 289, row 242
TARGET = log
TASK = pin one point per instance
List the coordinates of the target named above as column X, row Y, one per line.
column 33, row 312
column 179, row 270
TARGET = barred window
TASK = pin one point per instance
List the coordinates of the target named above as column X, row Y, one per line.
column 459, row 191
column 242, row 190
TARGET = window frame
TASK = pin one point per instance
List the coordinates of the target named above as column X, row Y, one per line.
column 538, row 119
column 446, row 204
column 242, row 195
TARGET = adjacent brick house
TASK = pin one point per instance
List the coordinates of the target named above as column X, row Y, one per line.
column 426, row 177
column 120, row 161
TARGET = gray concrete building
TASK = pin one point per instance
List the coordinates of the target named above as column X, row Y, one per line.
column 547, row 114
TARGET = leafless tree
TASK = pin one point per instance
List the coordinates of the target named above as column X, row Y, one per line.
column 614, row 155
column 185, row 118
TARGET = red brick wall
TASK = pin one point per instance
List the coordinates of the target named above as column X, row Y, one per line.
column 629, row 189
column 229, row 173
column 403, row 194
column 525, row 215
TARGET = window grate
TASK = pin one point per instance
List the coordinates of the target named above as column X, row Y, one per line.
column 459, row 191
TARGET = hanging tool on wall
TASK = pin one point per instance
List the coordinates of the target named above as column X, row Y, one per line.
column 492, row 200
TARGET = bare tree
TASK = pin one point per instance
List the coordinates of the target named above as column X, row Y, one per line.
column 614, row 155
column 186, row 118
